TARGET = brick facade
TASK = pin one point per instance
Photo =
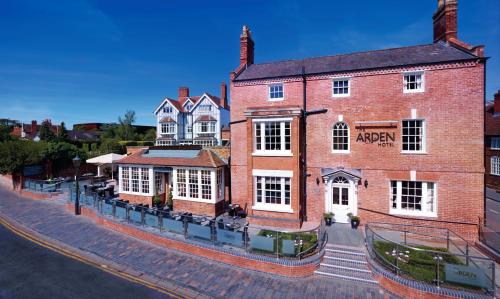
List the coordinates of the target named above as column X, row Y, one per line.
column 199, row 208
column 492, row 129
column 452, row 159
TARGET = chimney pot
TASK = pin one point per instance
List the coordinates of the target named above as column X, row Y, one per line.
column 246, row 47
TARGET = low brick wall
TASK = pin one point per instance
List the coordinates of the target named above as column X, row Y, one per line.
column 137, row 199
column 405, row 291
column 304, row 270
column 199, row 208
column 34, row 195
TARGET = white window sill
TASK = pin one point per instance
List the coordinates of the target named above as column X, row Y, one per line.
column 272, row 154
column 341, row 95
column 272, row 208
column 413, row 213
column 341, row 152
column 276, row 99
column 413, row 91
column 135, row 193
column 414, row 152
column 495, row 174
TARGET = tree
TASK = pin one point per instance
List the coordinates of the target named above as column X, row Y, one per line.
column 62, row 134
column 60, row 154
column 110, row 146
column 150, row 135
column 16, row 154
column 5, row 132
column 46, row 133
column 126, row 130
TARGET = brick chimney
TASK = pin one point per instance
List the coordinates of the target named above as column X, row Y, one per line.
column 223, row 94
column 183, row 92
column 246, row 47
column 33, row 127
column 445, row 20
column 496, row 102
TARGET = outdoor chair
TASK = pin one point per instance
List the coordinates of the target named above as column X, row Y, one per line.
column 220, row 224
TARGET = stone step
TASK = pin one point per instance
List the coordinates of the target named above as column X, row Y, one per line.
column 346, row 264
column 345, row 251
column 335, row 273
column 345, row 257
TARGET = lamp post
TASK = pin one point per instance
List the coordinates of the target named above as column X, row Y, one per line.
column 76, row 164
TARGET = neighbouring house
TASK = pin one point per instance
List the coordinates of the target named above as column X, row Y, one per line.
column 90, row 132
column 379, row 134
column 32, row 131
column 192, row 119
column 492, row 143
column 196, row 177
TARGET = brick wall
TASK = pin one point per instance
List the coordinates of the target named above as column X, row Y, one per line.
column 199, row 208
column 492, row 128
column 452, row 106
column 137, row 199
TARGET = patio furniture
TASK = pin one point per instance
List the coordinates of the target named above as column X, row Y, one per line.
column 233, row 226
column 220, row 223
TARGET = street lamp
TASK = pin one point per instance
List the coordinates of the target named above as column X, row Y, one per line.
column 76, row 164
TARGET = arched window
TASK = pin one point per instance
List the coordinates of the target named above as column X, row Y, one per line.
column 340, row 137
column 340, row 180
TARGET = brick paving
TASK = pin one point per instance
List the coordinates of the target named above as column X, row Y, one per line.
column 51, row 219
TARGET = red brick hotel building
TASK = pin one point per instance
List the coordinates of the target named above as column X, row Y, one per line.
column 390, row 135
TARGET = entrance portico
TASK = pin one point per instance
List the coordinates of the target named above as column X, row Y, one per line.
column 341, row 192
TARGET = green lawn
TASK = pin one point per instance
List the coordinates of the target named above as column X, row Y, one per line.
column 418, row 265
column 308, row 239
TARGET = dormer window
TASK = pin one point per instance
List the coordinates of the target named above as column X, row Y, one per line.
column 413, row 82
column 189, row 106
column 276, row 92
column 168, row 109
column 205, row 108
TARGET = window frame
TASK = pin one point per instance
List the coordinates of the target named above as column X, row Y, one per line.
column 168, row 109
column 424, row 199
column 495, row 142
column 269, row 92
column 189, row 185
column 414, row 73
column 348, row 150
column 283, row 176
column 423, row 149
column 140, row 179
column 261, row 122
column 167, row 128
column 495, row 169
column 341, row 95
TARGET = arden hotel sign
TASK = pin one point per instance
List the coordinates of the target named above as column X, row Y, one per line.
column 381, row 138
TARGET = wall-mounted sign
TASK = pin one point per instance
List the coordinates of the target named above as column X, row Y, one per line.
column 382, row 139
column 468, row 275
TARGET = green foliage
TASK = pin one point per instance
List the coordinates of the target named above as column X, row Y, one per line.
column 157, row 200
column 111, row 146
column 150, row 135
column 328, row 215
column 5, row 132
column 309, row 239
column 170, row 200
column 93, row 147
column 85, row 147
column 45, row 133
column 61, row 151
column 62, row 134
column 16, row 154
column 125, row 130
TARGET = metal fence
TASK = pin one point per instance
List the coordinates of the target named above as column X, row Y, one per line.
column 209, row 230
column 431, row 255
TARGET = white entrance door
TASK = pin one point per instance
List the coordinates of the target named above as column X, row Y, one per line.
column 341, row 198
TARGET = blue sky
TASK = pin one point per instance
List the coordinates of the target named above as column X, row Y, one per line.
column 90, row 61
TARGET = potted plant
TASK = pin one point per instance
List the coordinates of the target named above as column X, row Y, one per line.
column 354, row 221
column 328, row 218
column 170, row 200
column 156, row 201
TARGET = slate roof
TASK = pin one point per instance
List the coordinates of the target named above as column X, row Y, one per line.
column 204, row 158
column 414, row 55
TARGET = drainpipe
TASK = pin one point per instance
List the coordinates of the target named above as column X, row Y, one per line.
column 304, row 144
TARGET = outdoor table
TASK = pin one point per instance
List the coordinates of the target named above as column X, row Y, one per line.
column 233, row 225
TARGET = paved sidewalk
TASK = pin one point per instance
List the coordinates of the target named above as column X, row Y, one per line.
column 51, row 219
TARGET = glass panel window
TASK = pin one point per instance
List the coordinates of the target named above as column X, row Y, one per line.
column 193, row 183
column 272, row 136
column 206, row 184
column 135, row 179
column 125, row 178
column 159, row 182
column 276, row 92
column 206, row 127
column 413, row 82
column 220, row 187
column 181, row 182
column 145, row 180
column 495, row 165
column 413, row 136
column 168, row 109
column 341, row 87
column 205, row 108
column 168, row 128
column 340, row 137
column 413, row 198
column 272, row 191
column 495, row 143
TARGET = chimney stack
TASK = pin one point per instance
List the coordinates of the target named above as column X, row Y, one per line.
column 223, row 94
column 246, row 47
column 183, row 92
column 496, row 102
column 445, row 20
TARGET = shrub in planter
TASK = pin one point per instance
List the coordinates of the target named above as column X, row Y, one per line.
column 328, row 218
column 355, row 222
column 156, row 201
